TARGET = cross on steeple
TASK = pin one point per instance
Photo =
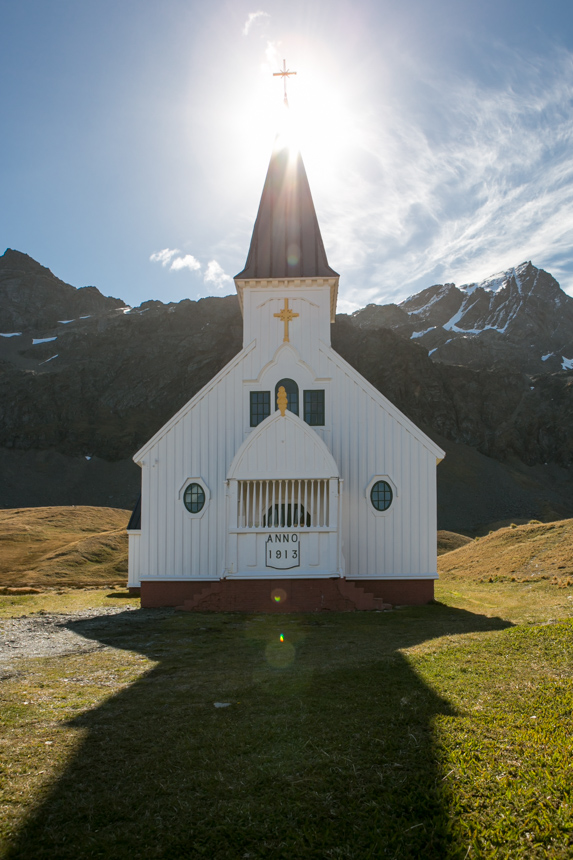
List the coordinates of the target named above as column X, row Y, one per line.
column 286, row 315
column 284, row 74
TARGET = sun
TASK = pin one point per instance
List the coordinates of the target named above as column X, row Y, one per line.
column 319, row 120
column 324, row 121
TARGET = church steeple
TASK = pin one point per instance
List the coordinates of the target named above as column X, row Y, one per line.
column 286, row 241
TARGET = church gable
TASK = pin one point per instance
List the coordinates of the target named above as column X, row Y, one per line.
column 284, row 355
column 283, row 446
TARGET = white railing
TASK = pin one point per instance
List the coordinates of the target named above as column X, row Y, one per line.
column 297, row 503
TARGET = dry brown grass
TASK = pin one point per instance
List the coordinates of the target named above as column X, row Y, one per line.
column 63, row 546
column 526, row 553
column 448, row 541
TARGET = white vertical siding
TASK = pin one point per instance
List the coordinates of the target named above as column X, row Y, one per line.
column 365, row 435
column 133, row 564
column 367, row 441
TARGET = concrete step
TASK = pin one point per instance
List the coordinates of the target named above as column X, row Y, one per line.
column 363, row 600
column 205, row 593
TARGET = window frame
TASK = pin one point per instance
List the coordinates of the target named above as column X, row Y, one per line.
column 310, row 391
column 369, row 488
column 257, row 393
column 206, row 491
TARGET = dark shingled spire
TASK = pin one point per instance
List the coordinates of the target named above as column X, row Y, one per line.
column 286, row 240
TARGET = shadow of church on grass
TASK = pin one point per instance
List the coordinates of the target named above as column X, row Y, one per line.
column 326, row 749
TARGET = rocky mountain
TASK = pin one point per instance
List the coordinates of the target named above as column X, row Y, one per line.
column 85, row 380
column 520, row 319
column 32, row 298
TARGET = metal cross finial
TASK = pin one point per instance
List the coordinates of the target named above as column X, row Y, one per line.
column 284, row 74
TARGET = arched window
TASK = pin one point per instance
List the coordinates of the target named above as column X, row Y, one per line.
column 286, row 515
column 291, row 389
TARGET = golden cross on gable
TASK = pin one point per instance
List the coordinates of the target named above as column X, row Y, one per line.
column 284, row 74
column 286, row 315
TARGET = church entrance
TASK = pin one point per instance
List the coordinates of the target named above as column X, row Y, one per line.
column 284, row 527
column 283, row 504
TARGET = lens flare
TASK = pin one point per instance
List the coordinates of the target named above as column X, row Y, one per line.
column 293, row 255
column 281, row 637
column 280, row 655
column 278, row 595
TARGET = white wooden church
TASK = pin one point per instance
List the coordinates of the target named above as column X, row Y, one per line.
column 288, row 483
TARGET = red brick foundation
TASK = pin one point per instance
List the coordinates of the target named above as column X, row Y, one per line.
column 400, row 592
column 286, row 595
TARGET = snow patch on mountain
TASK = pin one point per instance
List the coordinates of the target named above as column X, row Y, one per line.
column 492, row 285
column 497, row 282
column 422, row 333
column 424, row 308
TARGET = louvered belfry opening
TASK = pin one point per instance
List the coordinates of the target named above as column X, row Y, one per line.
column 293, row 503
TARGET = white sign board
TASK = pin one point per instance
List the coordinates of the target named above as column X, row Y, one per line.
column 282, row 551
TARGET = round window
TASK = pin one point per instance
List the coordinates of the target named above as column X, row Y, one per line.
column 194, row 498
column 381, row 495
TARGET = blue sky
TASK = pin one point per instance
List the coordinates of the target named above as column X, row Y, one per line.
column 437, row 136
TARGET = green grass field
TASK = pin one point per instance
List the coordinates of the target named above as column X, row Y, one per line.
column 441, row 731
column 429, row 732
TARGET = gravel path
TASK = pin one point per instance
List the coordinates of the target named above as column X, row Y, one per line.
column 48, row 634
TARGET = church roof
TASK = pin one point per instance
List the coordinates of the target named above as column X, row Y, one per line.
column 135, row 519
column 286, row 241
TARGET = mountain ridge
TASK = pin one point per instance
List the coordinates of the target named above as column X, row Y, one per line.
column 31, row 296
column 464, row 325
column 98, row 383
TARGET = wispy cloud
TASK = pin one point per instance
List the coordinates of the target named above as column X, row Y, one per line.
column 481, row 182
column 252, row 18
column 216, row 276
column 272, row 58
column 447, row 180
column 186, row 262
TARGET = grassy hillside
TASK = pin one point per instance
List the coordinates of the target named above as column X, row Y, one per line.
column 527, row 553
column 63, row 546
column 85, row 546
column 448, row 541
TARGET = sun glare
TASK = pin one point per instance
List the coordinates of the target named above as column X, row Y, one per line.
column 320, row 121
column 326, row 121
column 287, row 132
